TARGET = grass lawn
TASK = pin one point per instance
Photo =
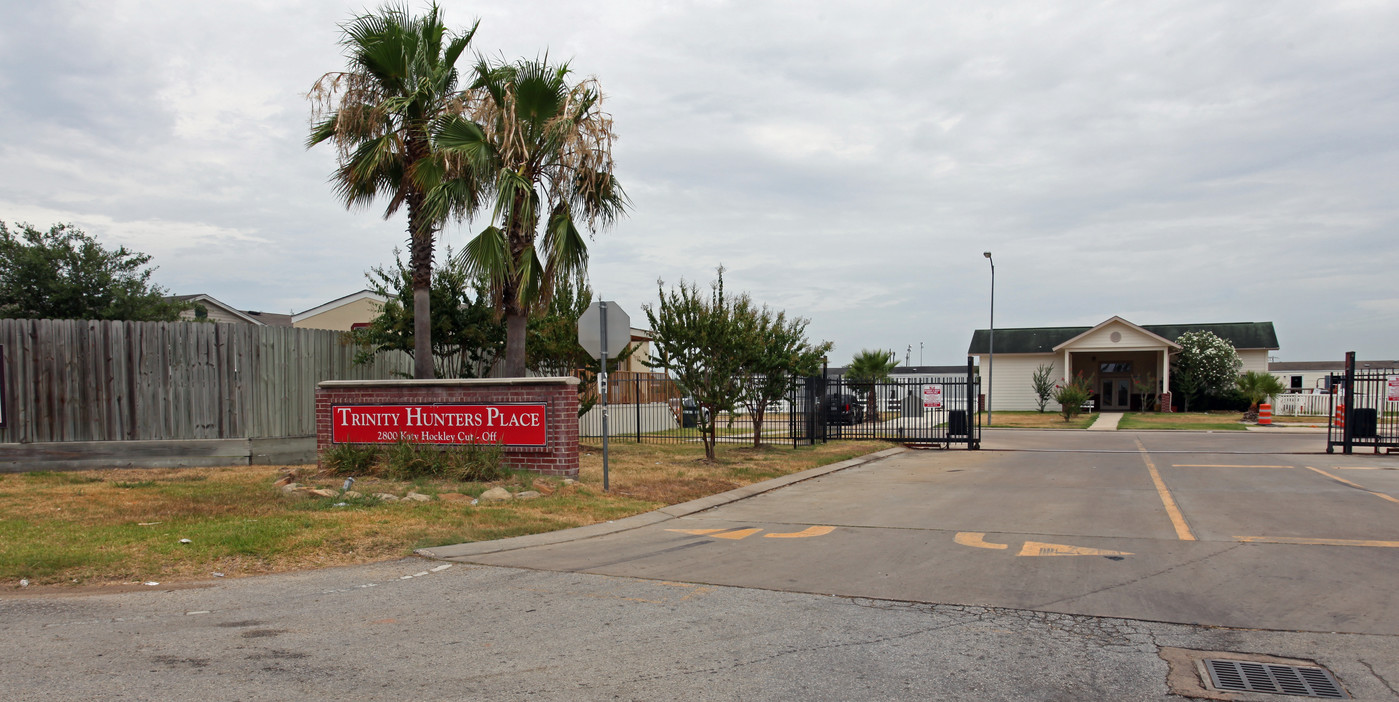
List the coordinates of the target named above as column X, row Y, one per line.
column 1038, row 420
column 1193, row 421
column 121, row 526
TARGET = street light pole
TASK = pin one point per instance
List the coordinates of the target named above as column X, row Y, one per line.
column 991, row 361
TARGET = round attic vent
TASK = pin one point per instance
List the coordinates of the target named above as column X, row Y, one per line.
column 1115, row 336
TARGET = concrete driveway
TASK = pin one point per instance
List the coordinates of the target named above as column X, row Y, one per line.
column 1224, row 529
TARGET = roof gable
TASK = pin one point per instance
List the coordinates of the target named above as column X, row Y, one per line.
column 1117, row 333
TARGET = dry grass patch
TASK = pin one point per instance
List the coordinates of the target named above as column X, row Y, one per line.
column 1038, row 420
column 126, row 525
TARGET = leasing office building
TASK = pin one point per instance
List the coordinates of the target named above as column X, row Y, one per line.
column 1112, row 353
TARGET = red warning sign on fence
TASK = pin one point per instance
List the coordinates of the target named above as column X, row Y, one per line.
column 932, row 397
column 1392, row 389
column 506, row 424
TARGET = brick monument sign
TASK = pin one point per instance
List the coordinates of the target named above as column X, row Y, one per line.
column 534, row 420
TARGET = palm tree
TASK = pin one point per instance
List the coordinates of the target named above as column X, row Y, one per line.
column 1257, row 387
column 868, row 368
column 381, row 114
column 542, row 151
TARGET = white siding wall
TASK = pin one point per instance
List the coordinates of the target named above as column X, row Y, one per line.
column 1254, row 360
column 1012, row 376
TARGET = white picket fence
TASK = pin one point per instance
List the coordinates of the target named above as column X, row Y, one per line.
column 1300, row 405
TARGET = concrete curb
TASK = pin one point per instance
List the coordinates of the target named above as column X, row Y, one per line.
column 464, row 552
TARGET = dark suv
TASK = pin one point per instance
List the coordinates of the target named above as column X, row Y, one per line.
column 843, row 409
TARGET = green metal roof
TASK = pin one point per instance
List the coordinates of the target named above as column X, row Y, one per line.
column 1243, row 335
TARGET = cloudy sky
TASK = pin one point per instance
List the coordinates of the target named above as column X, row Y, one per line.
column 1169, row 162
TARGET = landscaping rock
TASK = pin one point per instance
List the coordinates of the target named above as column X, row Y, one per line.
column 417, row 497
column 351, row 494
column 569, row 481
column 453, row 497
column 386, row 497
column 285, row 480
column 496, row 494
column 526, row 495
column 322, row 492
column 292, row 487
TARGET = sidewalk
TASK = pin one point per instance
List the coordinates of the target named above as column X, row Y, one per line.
column 1107, row 421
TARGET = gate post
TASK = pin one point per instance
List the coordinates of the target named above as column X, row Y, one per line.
column 1347, row 432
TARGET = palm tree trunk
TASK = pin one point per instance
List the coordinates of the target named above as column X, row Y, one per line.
column 420, row 234
column 516, row 326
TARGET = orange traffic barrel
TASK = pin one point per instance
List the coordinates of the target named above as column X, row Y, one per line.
column 1340, row 416
column 1265, row 413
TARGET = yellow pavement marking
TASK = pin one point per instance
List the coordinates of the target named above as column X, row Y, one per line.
column 737, row 534
column 804, row 533
column 696, row 532
column 1207, row 465
column 1358, row 468
column 1177, row 519
column 1316, row 542
column 1343, row 481
column 1035, row 548
column 975, row 539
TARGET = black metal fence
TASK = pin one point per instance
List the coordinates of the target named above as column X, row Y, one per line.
column 1364, row 409
column 927, row 410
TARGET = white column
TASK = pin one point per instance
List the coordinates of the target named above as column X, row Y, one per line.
column 1068, row 372
column 1165, row 370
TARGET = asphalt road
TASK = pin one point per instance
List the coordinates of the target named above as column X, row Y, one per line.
column 1047, row 574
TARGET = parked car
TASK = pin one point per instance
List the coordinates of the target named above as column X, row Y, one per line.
column 843, row 409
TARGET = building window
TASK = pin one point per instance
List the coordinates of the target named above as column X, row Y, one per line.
column 1296, row 382
column 1115, row 367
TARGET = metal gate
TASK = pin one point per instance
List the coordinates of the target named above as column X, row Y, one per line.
column 1364, row 408
column 930, row 410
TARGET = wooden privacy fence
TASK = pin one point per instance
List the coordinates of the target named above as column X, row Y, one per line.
column 76, row 380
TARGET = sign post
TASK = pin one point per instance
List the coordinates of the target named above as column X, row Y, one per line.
column 603, row 330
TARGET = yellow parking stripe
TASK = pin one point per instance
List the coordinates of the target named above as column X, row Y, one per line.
column 1343, row 481
column 1316, row 542
column 804, row 533
column 737, row 534
column 1173, row 511
column 975, row 539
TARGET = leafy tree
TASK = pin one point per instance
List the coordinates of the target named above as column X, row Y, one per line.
column 1042, row 381
column 701, row 341
column 868, row 368
column 776, row 352
column 466, row 336
column 381, row 114
column 1257, row 386
column 541, row 149
column 65, row 273
column 1205, row 367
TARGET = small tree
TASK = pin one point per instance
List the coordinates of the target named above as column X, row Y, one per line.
column 1147, row 388
column 1205, row 367
column 466, row 336
column 867, row 369
column 777, row 352
column 1257, row 387
column 1043, row 384
column 65, row 273
column 701, row 341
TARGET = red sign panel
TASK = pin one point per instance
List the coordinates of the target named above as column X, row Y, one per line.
column 509, row 425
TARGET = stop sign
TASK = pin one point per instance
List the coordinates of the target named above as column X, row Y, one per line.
column 590, row 329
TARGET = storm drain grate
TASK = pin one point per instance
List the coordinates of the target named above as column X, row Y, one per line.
column 1247, row 676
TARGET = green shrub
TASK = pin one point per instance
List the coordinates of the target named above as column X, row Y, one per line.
column 477, row 463
column 350, row 459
